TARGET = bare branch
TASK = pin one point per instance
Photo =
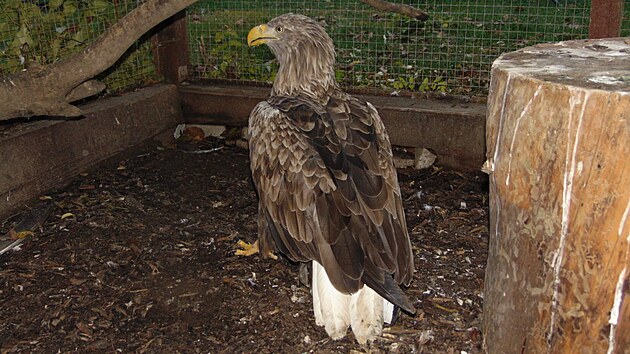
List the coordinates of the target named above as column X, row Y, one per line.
column 86, row 89
column 110, row 46
column 46, row 90
column 50, row 89
column 402, row 9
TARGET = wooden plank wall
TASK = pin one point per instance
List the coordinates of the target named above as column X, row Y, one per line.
column 49, row 153
column 452, row 128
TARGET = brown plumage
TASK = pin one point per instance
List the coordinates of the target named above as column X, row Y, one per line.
column 322, row 165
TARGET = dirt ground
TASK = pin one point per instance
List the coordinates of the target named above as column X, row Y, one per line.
column 137, row 256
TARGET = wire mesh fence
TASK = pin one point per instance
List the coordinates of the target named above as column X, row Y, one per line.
column 45, row 31
column 451, row 52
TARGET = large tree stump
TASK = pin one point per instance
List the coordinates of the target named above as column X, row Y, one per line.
column 558, row 136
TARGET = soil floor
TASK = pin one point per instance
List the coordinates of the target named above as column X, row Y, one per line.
column 137, row 255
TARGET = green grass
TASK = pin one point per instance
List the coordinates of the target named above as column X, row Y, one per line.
column 450, row 52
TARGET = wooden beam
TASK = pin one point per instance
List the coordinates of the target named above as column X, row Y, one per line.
column 220, row 105
column 452, row 128
column 170, row 49
column 48, row 153
column 605, row 21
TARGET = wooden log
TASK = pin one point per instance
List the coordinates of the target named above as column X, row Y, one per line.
column 558, row 140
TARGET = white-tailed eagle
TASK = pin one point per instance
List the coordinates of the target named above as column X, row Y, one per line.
column 328, row 192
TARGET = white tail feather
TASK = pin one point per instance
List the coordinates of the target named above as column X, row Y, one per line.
column 317, row 308
column 365, row 311
column 388, row 312
column 331, row 306
column 366, row 314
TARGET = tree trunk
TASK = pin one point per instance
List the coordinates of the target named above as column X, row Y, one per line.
column 558, row 136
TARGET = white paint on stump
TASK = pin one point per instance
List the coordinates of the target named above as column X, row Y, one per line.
column 533, row 66
column 606, row 80
column 500, row 128
column 518, row 123
column 622, row 223
column 569, row 173
column 496, row 152
column 614, row 311
column 571, row 64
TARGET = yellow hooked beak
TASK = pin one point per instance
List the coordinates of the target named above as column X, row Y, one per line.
column 260, row 34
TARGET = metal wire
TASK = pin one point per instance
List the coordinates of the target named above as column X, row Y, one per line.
column 451, row 52
column 45, row 31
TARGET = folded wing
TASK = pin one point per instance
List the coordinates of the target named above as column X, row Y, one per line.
column 328, row 192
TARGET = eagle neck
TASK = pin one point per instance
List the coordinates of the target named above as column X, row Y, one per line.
column 306, row 70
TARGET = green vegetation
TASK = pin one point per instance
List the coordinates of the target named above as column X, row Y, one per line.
column 451, row 52
column 44, row 31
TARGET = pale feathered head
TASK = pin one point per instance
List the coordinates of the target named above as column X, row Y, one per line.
column 305, row 52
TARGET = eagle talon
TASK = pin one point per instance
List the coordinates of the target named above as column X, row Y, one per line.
column 250, row 249
column 246, row 249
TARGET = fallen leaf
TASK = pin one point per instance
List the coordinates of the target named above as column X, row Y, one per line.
column 75, row 281
column 445, row 308
column 18, row 235
column 84, row 329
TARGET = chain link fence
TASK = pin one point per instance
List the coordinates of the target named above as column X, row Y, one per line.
column 45, row 31
column 451, row 52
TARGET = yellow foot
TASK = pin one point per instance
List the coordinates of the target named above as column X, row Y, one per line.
column 246, row 249
column 249, row 249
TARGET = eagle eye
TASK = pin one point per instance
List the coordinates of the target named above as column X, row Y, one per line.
column 279, row 29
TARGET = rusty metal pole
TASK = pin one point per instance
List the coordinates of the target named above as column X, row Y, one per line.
column 605, row 18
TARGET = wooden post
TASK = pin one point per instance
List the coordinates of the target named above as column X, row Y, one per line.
column 558, row 140
column 170, row 49
column 605, row 20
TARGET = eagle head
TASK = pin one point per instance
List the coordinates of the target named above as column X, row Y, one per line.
column 289, row 30
column 304, row 50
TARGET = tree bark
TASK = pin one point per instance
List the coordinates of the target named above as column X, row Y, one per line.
column 49, row 90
